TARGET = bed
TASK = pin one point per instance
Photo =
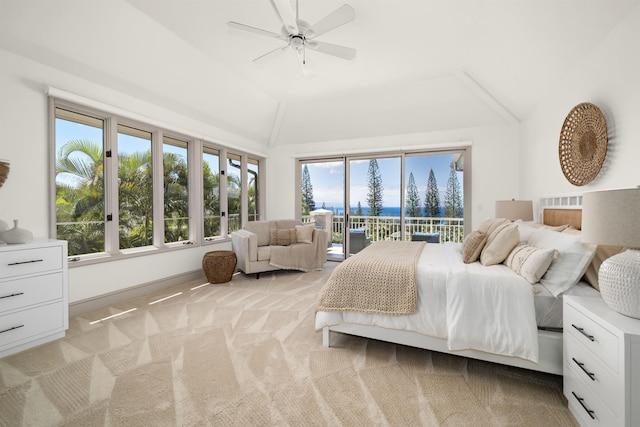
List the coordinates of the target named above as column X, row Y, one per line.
column 469, row 309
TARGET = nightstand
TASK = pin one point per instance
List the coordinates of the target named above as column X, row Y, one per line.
column 601, row 363
column 34, row 303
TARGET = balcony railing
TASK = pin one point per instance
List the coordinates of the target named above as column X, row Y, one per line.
column 391, row 228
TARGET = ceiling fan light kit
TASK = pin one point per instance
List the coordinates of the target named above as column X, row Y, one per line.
column 300, row 36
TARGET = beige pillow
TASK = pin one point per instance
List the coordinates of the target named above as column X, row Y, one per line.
column 472, row 246
column 490, row 224
column 530, row 262
column 499, row 244
column 304, row 233
column 283, row 237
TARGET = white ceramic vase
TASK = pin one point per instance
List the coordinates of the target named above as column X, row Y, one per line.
column 3, row 227
column 16, row 234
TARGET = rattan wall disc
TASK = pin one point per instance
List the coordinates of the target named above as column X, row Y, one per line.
column 583, row 144
column 4, row 172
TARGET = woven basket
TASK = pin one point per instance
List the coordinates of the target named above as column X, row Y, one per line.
column 219, row 266
column 4, row 172
column 583, row 144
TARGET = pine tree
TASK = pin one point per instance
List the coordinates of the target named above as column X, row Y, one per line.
column 374, row 195
column 412, row 204
column 432, row 197
column 453, row 197
column 359, row 210
column 308, row 204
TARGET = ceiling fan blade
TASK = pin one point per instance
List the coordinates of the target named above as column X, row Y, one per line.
column 270, row 53
column 332, row 49
column 255, row 30
column 287, row 15
column 338, row 17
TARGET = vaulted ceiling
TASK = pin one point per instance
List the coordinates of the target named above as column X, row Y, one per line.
column 421, row 65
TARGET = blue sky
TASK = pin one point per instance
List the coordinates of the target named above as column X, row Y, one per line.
column 327, row 179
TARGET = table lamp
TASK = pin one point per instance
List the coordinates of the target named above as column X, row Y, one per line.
column 515, row 209
column 612, row 217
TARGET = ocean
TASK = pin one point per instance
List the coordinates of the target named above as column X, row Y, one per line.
column 391, row 211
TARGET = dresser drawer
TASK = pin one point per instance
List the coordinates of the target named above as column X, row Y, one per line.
column 593, row 336
column 581, row 400
column 30, row 261
column 590, row 370
column 28, row 325
column 21, row 293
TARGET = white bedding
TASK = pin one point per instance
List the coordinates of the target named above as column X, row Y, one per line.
column 476, row 313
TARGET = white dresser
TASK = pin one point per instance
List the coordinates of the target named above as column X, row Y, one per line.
column 34, row 302
column 601, row 363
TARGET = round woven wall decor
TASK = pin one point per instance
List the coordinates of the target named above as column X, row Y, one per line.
column 583, row 144
column 4, row 171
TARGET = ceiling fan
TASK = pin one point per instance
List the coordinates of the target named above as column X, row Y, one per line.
column 300, row 36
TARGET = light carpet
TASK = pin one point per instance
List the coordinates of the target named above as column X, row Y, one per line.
column 246, row 353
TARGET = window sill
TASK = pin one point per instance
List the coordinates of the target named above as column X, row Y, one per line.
column 84, row 260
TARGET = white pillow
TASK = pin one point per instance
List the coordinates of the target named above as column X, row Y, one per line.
column 304, row 233
column 499, row 244
column 530, row 262
column 571, row 261
column 526, row 229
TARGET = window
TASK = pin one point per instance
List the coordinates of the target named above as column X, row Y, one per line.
column 253, row 190
column 234, row 191
column 176, row 189
column 123, row 186
column 211, row 193
column 135, row 188
column 79, row 180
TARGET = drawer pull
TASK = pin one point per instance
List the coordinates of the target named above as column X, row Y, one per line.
column 26, row 262
column 581, row 365
column 11, row 329
column 581, row 402
column 581, row 330
column 12, row 295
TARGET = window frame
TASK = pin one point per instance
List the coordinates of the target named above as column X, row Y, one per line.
column 195, row 147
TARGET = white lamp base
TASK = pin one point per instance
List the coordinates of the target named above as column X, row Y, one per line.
column 619, row 281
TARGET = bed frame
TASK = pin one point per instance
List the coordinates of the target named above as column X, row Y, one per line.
column 554, row 210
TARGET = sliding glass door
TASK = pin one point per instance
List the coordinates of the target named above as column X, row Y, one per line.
column 365, row 199
column 322, row 200
column 375, row 201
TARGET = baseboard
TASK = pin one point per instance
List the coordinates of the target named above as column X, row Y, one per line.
column 80, row 307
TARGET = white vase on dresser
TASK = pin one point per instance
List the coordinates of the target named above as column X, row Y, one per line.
column 34, row 302
column 601, row 363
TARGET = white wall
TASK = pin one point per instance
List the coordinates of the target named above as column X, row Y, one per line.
column 608, row 77
column 494, row 164
column 25, row 195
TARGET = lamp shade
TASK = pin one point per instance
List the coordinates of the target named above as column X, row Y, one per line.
column 515, row 209
column 612, row 217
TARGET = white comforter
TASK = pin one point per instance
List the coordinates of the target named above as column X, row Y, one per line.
column 471, row 306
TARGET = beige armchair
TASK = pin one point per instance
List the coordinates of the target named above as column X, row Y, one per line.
column 280, row 244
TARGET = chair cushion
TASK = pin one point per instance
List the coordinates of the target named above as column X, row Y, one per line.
column 264, row 253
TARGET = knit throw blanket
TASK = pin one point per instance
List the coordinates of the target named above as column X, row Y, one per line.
column 381, row 279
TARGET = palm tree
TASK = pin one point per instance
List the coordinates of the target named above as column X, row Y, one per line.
column 135, row 194
column 80, row 196
column 176, row 198
column 211, row 185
